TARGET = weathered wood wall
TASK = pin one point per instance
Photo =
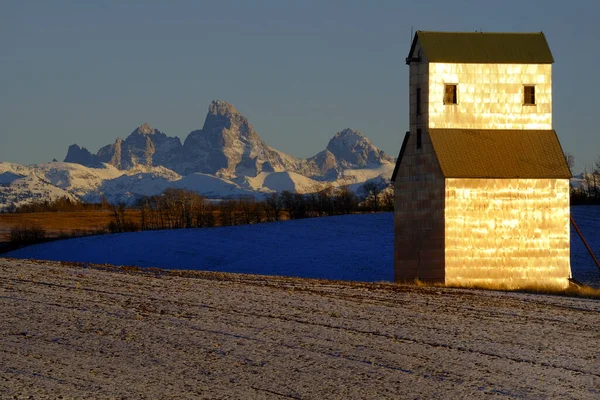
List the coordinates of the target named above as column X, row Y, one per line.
column 507, row 232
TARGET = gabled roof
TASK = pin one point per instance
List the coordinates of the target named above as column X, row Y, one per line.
column 494, row 153
column 483, row 47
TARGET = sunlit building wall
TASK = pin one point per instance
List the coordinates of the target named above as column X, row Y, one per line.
column 490, row 96
column 503, row 230
column 507, row 232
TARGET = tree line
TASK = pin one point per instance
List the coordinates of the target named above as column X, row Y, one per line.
column 181, row 208
column 587, row 191
column 63, row 204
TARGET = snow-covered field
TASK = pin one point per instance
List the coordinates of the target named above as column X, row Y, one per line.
column 583, row 267
column 97, row 331
column 356, row 248
column 73, row 332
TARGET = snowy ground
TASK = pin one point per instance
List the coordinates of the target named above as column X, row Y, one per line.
column 357, row 248
column 86, row 333
column 582, row 265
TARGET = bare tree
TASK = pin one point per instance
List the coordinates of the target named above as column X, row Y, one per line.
column 371, row 191
column 346, row 200
column 288, row 202
column 325, row 201
column 118, row 224
column 249, row 210
column 299, row 206
column 273, row 206
column 570, row 158
column 387, row 198
column 227, row 210
column 205, row 215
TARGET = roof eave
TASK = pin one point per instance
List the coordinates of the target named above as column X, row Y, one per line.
column 549, row 49
column 400, row 155
column 506, row 177
column 412, row 49
column 432, row 57
column 552, row 165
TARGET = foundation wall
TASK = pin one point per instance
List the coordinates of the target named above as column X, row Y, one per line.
column 507, row 232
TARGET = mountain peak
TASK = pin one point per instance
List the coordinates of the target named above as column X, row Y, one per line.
column 145, row 129
column 353, row 149
column 220, row 107
column 80, row 155
column 348, row 139
column 349, row 132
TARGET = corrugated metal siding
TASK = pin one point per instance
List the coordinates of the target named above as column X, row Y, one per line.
column 484, row 47
column 490, row 96
column 495, row 153
column 507, row 232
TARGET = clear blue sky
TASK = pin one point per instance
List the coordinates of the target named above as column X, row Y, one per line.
column 87, row 72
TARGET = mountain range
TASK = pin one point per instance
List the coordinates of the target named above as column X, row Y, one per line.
column 225, row 158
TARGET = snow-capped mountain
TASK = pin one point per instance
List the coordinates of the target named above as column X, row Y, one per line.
column 348, row 149
column 21, row 185
column 352, row 149
column 81, row 155
column 225, row 158
column 144, row 146
column 228, row 146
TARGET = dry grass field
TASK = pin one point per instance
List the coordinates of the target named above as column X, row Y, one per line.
column 57, row 223
column 75, row 331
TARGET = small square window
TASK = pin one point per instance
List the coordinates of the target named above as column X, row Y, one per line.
column 419, row 139
column 450, row 94
column 529, row 95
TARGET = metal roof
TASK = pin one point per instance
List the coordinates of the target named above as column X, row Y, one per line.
column 483, row 47
column 495, row 153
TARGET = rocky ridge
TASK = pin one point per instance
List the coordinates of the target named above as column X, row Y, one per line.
column 226, row 158
column 144, row 146
column 228, row 146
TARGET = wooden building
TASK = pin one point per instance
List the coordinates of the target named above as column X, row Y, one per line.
column 481, row 182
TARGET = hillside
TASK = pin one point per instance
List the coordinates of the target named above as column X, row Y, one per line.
column 92, row 333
